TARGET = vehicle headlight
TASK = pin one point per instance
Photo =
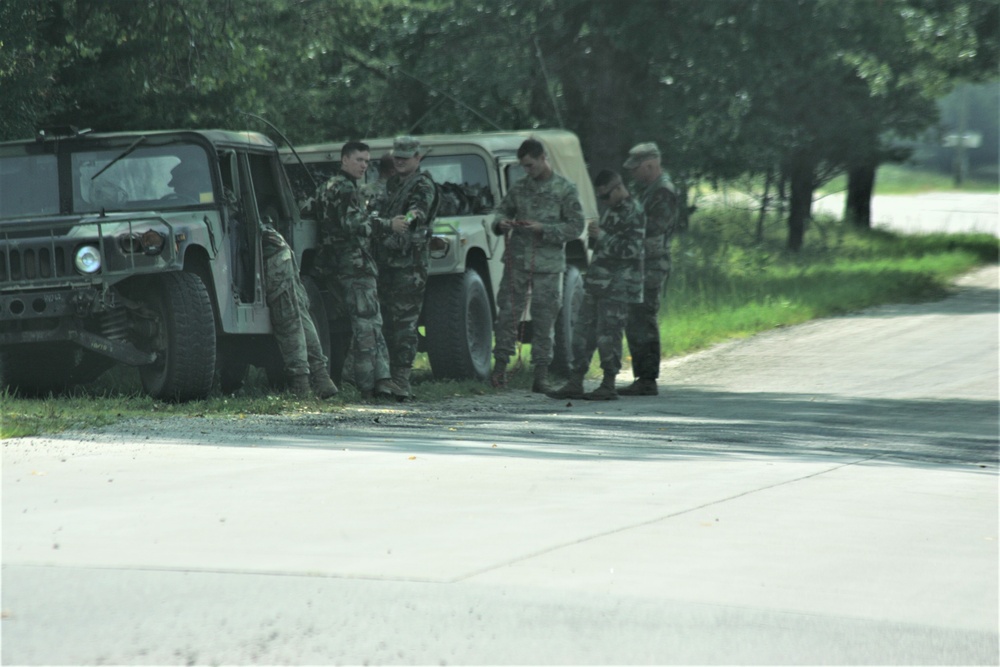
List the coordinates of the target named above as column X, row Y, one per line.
column 88, row 259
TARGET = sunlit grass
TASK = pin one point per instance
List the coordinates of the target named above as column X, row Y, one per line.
column 896, row 179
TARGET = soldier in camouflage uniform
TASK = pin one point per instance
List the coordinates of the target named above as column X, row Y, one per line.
column 404, row 258
column 347, row 267
column 614, row 280
column 305, row 364
column 539, row 214
column 658, row 197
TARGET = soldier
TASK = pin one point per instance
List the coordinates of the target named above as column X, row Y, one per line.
column 614, row 280
column 306, row 367
column 347, row 267
column 658, row 197
column 539, row 214
column 404, row 258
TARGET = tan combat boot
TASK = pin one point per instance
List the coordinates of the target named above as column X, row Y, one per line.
column 386, row 388
column 322, row 383
column 401, row 378
column 572, row 389
column 606, row 392
column 299, row 385
column 641, row 387
column 499, row 376
column 541, row 384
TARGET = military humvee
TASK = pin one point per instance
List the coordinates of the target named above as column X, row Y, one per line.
column 474, row 172
column 104, row 261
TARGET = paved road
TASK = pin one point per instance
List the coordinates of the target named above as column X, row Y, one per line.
column 820, row 494
column 949, row 212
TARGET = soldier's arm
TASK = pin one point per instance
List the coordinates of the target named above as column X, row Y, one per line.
column 421, row 198
column 662, row 207
column 506, row 211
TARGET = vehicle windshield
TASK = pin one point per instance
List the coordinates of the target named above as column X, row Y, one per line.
column 152, row 177
column 29, row 186
column 104, row 179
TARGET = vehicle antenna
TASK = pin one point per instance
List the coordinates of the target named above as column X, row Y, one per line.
column 285, row 139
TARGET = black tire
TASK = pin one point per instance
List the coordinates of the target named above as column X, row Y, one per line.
column 37, row 370
column 458, row 321
column 572, row 301
column 184, row 338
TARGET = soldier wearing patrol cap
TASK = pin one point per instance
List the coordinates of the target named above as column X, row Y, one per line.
column 404, row 259
column 658, row 197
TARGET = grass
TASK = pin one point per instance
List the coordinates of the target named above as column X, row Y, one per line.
column 725, row 285
column 896, row 179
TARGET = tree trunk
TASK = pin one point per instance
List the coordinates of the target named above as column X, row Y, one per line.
column 802, row 179
column 860, row 186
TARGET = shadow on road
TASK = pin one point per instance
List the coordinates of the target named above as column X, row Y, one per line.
column 684, row 423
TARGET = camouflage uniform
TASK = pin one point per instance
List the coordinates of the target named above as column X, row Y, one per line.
column 403, row 265
column 347, row 268
column 613, row 281
column 535, row 261
column 288, row 304
column 659, row 201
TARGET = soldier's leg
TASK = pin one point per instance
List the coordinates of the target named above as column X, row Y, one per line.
column 643, row 328
column 609, row 330
column 546, row 293
column 284, row 312
column 368, row 356
column 511, row 301
column 409, row 286
column 585, row 334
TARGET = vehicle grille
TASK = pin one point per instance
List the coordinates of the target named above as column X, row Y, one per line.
column 34, row 262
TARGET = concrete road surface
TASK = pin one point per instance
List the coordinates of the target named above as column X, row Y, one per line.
column 822, row 494
column 949, row 212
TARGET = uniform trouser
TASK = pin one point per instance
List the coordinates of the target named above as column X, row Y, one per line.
column 288, row 304
column 643, row 328
column 546, row 299
column 367, row 358
column 599, row 327
column 401, row 291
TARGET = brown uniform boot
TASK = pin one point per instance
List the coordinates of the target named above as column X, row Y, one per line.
column 572, row 389
column 641, row 387
column 401, row 378
column 386, row 388
column 299, row 385
column 322, row 384
column 499, row 376
column 606, row 392
column 541, row 383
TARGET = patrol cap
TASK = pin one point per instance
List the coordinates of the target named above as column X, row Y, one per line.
column 640, row 153
column 405, row 147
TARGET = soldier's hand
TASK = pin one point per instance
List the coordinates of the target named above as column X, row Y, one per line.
column 399, row 224
column 503, row 225
column 593, row 229
column 534, row 226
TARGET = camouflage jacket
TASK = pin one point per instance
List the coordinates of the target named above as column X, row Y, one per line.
column 616, row 268
column 555, row 204
column 344, row 228
column 416, row 193
column 374, row 194
column 659, row 201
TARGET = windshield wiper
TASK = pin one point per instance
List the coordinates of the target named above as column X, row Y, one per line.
column 125, row 152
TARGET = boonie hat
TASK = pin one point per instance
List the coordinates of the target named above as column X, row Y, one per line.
column 405, row 147
column 641, row 152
